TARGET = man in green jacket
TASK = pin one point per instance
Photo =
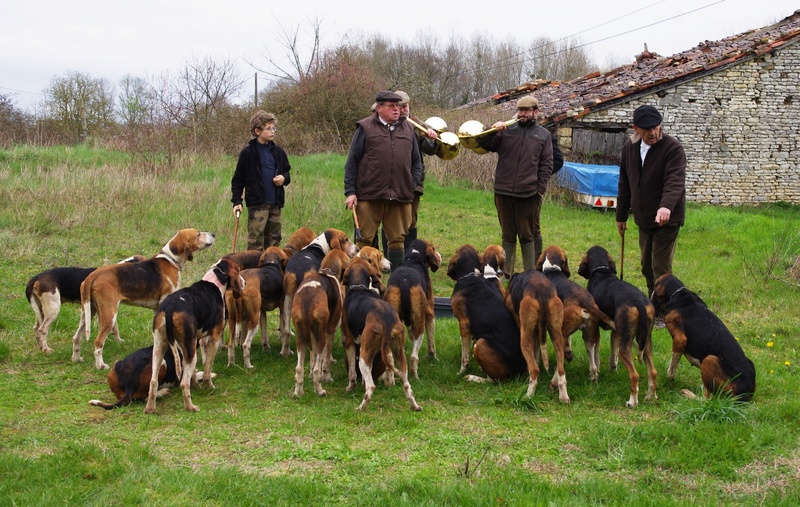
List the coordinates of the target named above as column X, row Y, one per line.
column 524, row 166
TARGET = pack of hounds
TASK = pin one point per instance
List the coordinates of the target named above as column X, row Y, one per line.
column 323, row 283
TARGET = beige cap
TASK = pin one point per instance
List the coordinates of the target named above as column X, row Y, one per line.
column 527, row 102
column 404, row 98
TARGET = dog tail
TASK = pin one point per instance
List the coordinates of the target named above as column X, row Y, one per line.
column 122, row 402
column 29, row 289
column 396, row 334
column 35, row 302
column 232, row 306
column 540, row 345
column 405, row 307
column 597, row 313
column 645, row 327
column 86, row 307
column 177, row 355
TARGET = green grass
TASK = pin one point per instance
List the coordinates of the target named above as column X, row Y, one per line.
column 253, row 444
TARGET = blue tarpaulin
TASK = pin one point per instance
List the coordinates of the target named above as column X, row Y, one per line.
column 590, row 181
column 590, row 178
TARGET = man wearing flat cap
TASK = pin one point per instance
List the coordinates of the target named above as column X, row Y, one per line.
column 652, row 187
column 524, row 166
column 382, row 169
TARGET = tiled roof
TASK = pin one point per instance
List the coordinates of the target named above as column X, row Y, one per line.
column 562, row 100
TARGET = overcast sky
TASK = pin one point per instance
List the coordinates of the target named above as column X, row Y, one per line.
column 41, row 39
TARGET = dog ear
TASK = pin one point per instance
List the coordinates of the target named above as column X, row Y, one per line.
column 451, row 267
column 378, row 282
column 565, row 267
column 612, row 264
column 540, row 261
column 583, row 268
column 237, row 286
column 433, row 261
column 284, row 260
column 334, row 240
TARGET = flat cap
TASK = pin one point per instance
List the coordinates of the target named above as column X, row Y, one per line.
column 387, row 96
column 527, row 102
column 646, row 117
column 404, row 98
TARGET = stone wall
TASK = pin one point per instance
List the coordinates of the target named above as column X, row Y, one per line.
column 740, row 128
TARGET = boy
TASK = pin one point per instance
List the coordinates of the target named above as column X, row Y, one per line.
column 261, row 172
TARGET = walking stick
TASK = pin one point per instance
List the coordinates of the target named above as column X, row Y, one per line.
column 355, row 221
column 622, row 257
column 236, row 229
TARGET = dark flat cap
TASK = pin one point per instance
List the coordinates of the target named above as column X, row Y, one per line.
column 646, row 117
column 387, row 96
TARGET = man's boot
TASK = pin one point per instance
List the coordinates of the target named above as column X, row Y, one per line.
column 537, row 242
column 411, row 236
column 395, row 257
column 528, row 255
column 511, row 253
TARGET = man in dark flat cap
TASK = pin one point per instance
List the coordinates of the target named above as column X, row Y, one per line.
column 652, row 186
column 383, row 167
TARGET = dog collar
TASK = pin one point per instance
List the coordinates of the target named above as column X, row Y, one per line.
column 327, row 272
column 677, row 291
column 271, row 262
column 606, row 268
column 364, row 287
column 166, row 254
column 474, row 273
column 290, row 249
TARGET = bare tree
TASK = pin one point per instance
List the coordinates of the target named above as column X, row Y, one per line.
column 298, row 66
column 204, row 86
column 559, row 60
column 135, row 101
column 80, row 104
column 14, row 123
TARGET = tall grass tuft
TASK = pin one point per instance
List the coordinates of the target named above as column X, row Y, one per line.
column 721, row 407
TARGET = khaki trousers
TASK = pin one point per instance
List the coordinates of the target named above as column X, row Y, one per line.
column 395, row 217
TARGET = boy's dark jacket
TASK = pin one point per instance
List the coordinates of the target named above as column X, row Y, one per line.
column 247, row 176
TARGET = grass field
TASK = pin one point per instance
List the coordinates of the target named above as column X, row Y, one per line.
column 253, row 444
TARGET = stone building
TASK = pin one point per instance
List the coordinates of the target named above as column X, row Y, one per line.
column 734, row 103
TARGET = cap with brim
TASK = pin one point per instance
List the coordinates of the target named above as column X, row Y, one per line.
column 527, row 102
column 404, row 98
column 646, row 117
column 387, row 96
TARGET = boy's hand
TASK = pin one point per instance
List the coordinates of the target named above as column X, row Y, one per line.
column 278, row 180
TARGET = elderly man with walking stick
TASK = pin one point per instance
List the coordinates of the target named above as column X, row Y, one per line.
column 652, row 187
